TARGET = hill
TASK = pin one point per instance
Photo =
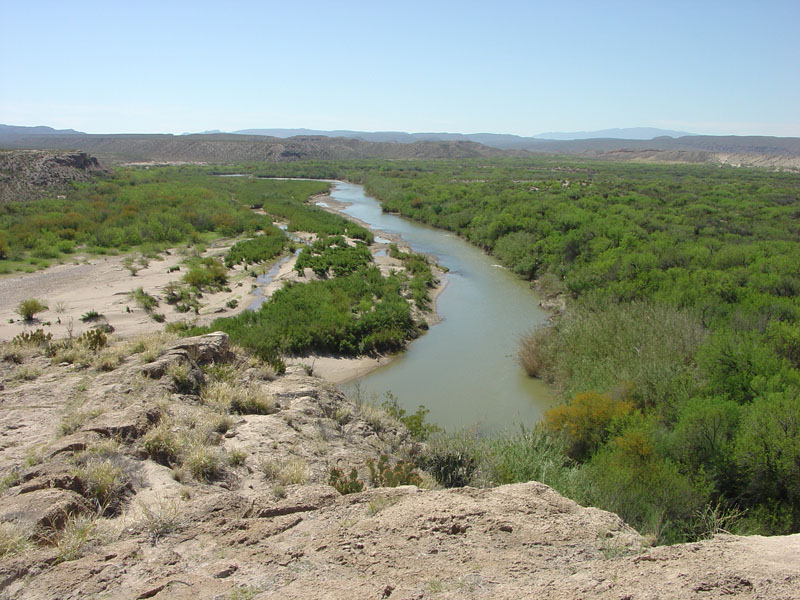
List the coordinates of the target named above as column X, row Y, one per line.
column 125, row 482
column 24, row 173
column 218, row 148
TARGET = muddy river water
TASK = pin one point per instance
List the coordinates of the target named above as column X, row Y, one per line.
column 463, row 369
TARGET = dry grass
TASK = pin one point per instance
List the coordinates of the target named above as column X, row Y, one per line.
column 14, row 539
column 227, row 397
column 288, row 471
column 530, row 355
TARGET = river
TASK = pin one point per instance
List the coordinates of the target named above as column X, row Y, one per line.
column 463, row 369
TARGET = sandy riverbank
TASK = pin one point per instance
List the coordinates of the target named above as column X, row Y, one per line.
column 104, row 284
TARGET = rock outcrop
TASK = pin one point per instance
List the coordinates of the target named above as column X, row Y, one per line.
column 264, row 523
column 28, row 174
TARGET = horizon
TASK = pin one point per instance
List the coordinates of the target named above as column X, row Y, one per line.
column 517, row 68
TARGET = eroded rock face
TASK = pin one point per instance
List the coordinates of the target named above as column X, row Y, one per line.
column 26, row 174
column 43, row 510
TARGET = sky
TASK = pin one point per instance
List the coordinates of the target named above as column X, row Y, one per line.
column 502, row 67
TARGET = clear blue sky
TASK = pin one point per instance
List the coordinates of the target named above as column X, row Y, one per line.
column 504, row 67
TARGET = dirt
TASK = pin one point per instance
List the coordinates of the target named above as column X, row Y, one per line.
column 244, row 535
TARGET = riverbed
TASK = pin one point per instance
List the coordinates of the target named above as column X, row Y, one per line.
column 463, row 369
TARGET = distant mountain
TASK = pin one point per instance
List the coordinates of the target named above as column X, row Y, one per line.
column 628, row 133
column 20, row 131
column 495, row 140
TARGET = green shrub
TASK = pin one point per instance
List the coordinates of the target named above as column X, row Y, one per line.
column 349, row 484
column 452, row 459
column 29, row 308
column 143, row 299
column 382, row 474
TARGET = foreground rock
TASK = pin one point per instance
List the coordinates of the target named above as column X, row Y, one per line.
column 263, row 523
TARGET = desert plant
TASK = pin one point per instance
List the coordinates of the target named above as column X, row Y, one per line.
column 143, row 299
column 29, row 308
column 75, row 538
column 204, row 463
column 237, row 458
column 159, row 518
column 94, row 339
column 91, row 316
column 33, row 338
column 382, row 474
column 14, row 539
column 349, row 484
column 104, row 482
column 293, row 470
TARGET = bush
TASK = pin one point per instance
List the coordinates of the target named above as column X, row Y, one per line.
column 384, row 475
column 451, row 459
column 585, row 421
column 345, row 484
column 29, row 308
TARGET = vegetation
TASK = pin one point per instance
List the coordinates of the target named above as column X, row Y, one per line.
column 29, row 308
column 359, row 313
column 678, row 349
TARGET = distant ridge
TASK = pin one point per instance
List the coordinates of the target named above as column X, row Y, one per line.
column 22, row 131
column 497, row 140
column 627, row 133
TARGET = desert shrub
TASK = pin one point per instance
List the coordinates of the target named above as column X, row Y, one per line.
column 258, row 249
column 143, row 299
column 91, row 316
column 451, row 458
column 335, row 254
column 382, row 474
column 288, row 471
column 345, row 484
column 585, row 421
column 207, row 274
column 29, row 308
column 415, row 423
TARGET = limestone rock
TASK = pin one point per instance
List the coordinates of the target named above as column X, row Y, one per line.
column 43, row 510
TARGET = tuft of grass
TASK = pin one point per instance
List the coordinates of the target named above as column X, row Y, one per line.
column 290, row 471
column 75, row 538
column 14, row 539
column 25, row 374
column 530, row 355
column 74, row 420
column 159, row 518
column 237, row 458
column 226, row 397
column 145, row 301
column 204, row 463
column 105, row 483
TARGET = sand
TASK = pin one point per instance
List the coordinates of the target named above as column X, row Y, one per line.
column 104, row 285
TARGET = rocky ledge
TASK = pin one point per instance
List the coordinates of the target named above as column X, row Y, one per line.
column 183, row 469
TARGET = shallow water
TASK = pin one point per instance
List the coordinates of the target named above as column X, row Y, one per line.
column 463, row 369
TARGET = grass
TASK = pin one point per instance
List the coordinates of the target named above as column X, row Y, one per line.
column 159, row 518
column 241, row 399
column 14, row 540
column 289, row 471
column 145, row 301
